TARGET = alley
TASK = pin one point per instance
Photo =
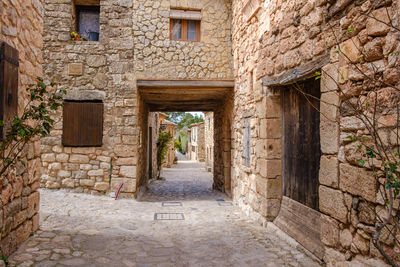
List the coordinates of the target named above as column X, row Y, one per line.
column 180, row 221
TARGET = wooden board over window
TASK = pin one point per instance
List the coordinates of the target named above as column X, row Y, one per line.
column 8, row 83
column 246, row 153
column 83, row 123
column 87, row 2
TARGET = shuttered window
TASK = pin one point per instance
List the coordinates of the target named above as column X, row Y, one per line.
column 83, row 123
column 8, row 84
column 246, row 142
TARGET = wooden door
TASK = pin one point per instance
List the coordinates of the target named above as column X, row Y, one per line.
column 301, row 142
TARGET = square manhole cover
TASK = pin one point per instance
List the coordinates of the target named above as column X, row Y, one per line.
column 171, row 204
column 225, row 203
column 168, row 216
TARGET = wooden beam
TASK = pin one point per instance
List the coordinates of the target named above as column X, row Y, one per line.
column 185, row 83
column 303, row 72
column 182, row 108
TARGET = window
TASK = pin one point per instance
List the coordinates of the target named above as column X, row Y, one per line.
column 83, row 123
column 185, row 25
column 8, row 83
column 88, row 19
column 246, row 142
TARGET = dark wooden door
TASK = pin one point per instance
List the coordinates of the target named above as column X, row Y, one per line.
column 150, row 152
column 301, row 142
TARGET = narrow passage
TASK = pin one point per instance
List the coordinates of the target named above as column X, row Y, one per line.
column 178, row 222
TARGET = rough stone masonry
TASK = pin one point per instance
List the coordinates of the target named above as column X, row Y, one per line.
column 263, row 46
column 21, row 24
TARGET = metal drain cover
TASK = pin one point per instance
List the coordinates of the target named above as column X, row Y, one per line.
column 225, row 204
column 171, row 204
column 220, row 200
column 169, row 216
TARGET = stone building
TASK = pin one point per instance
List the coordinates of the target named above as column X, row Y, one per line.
column 20, row 65
column 278, row 46
column 189, row 146
column 209, row 140
column 197, row 143
column 247, row 61
column 134, row 46
column 169, row 127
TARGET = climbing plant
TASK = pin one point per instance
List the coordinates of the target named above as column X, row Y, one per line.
column 35, row 121
column 164, row 138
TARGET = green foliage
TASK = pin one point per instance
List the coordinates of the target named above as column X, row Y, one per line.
column 35, row 121
column 317, row 75
column 188, row 119
column 390, row 167
column 184, row 139
column 164, row 138
column 178, row 145
column 175, row 116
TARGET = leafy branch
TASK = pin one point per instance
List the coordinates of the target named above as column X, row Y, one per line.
column 35, row 121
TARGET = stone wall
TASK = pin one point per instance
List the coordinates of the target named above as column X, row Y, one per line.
column 209, row 140
column 21, row 27
column 277, row 41
column 154, row 123
column 134, row 44
column 201, row 151
column 223, row 147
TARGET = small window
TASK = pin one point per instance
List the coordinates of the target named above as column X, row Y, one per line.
column 88, row 22
column 246, row 155
column 185, row 25
column 83, row 123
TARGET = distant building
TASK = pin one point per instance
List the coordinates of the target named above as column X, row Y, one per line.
column 189, row 145
column 197, row 142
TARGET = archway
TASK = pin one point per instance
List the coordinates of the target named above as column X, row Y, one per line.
column 187, row 95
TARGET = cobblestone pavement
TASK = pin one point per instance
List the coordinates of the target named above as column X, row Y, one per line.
column 85, row 230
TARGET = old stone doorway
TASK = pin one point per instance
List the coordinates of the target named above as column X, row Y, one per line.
column 299, row 213
column 301, row 141
column 188, row 95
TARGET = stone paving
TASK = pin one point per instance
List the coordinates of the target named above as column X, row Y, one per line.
column 86, row 230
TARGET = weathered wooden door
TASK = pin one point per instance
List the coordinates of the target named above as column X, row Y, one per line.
column 301, row 141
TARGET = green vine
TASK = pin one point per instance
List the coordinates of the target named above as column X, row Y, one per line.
column 35, row 121
column 164, row 138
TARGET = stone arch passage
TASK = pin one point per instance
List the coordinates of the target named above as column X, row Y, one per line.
column 188, row 95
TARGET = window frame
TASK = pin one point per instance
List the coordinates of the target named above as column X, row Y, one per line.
column 246, row 142
column 184, row 30
column 78, row 9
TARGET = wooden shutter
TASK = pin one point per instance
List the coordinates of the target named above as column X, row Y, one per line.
column 82, row 123
column 246, row 141
column 8, row 83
